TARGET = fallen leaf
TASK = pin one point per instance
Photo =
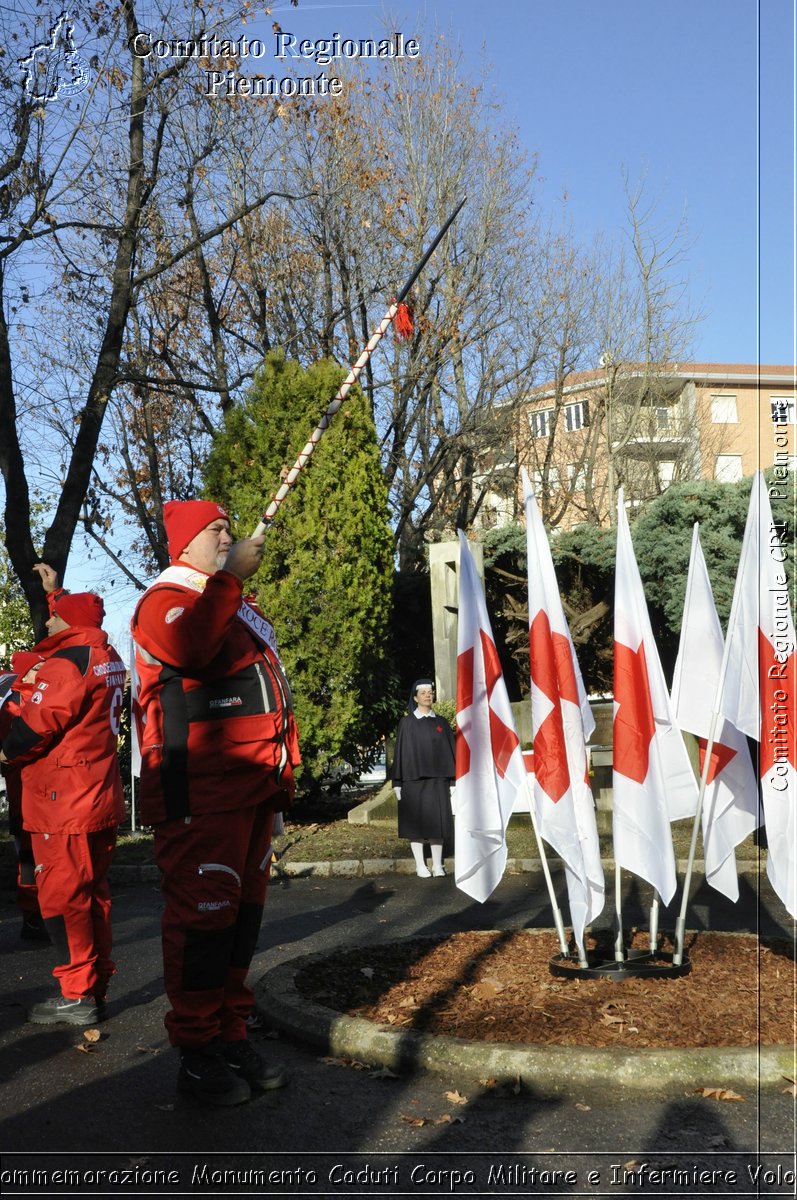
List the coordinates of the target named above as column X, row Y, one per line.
column 717, row 1094
column 447, row 1119
column 791, row 1090
column 368, row 972
column 487, row 989
column 148, row 1049
column 84, row 1048
column 584, row 1107
column 611, row 1008
column 489, row 1083
column 91, row 1035
column 631, row 1165
column 414, row 1120
column 456, row 1097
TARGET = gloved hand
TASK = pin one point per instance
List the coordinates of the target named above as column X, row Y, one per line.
column 397, row 790
column 452, row 795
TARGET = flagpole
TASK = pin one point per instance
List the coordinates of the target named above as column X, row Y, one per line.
column 349, row 381
column 680, row 924
column 544, row 596
column 557, row 913
column 619, row 950
column 654, row 921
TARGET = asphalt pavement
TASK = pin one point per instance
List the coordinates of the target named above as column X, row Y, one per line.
column 104, row 1117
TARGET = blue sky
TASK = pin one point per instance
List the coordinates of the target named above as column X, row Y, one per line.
column 672, row 90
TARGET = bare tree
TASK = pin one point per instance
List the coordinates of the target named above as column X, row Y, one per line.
column 85, row 185
column 612, row 412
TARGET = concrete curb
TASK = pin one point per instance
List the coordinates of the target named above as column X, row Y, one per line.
column 553, row 1067
column 359, row 868
column 130, row 874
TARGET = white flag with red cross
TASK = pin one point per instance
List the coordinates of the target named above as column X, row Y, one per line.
column 730, row 803
column 652, row 779
column 759, row 694
column 562, row 723
column 491, row 772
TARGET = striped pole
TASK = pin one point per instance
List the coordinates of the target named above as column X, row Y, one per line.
column 349, row 381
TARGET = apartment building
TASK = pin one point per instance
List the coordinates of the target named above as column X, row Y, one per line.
column 583, row 437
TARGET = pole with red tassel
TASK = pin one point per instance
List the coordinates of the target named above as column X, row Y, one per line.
column 399, row 312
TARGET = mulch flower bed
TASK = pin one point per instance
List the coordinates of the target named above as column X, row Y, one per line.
column 497, row 987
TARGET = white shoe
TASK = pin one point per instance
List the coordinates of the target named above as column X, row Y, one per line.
column 423, row 872
column 438, row 871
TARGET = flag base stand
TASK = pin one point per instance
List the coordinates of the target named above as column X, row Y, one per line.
column 638, row 964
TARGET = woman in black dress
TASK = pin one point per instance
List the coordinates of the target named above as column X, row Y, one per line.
column 423, row 778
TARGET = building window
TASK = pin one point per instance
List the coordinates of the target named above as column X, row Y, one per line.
column 723, row 410
column 783, row 410
column 553, row 480
column 576, row 416
column 576, row 477
column 662, row 419
column 540, row 422
column 666, row 473
column 728, row 468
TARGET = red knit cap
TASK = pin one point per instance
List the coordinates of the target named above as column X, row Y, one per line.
column 184, row 519
column 23, row 660
column 80, row 608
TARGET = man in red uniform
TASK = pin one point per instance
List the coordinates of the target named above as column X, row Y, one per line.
column 218, row 746
column 65, row 738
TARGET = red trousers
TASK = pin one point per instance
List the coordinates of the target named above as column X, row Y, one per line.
column 75, row 902
column 214, row 875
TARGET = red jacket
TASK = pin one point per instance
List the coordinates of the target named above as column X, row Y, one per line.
column 214, row 710
column 66, row 735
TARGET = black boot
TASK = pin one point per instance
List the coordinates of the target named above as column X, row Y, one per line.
column 250, row 1065
column 205, row 1075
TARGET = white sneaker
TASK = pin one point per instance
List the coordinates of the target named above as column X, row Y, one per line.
column 438, row 871
column 423, row 872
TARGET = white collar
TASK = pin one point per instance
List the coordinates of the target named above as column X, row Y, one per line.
column 420, row 715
